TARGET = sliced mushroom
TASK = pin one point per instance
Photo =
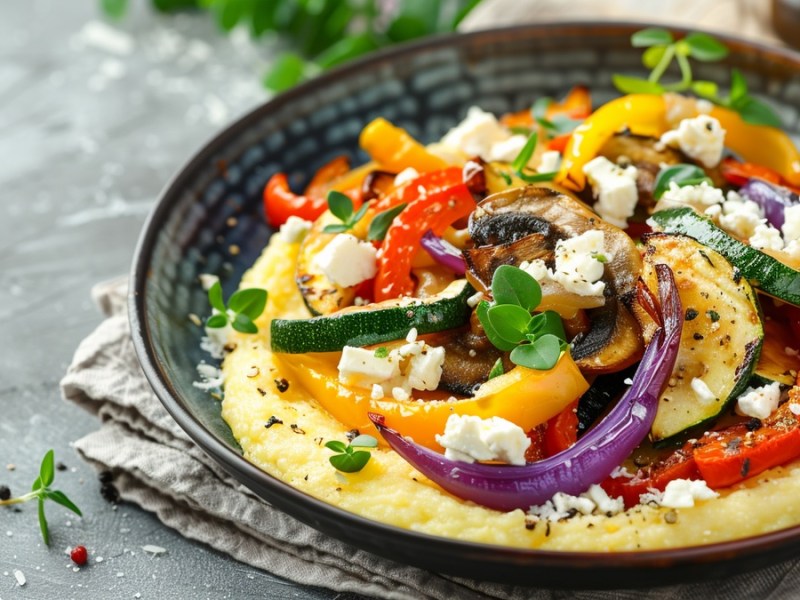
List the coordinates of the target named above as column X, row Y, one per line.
column 535, row 218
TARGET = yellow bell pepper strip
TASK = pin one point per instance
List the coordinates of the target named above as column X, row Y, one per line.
column 394, row 149
column 645, row 114
column 760, row 144
column 523, row 396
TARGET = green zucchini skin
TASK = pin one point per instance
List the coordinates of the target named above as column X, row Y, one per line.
column 382, row 322
column 722, row 332
column 761, row 270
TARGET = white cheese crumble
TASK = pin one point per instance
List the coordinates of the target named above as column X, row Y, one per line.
column 614, row 188
column 701, row 138
column 702, row 391
column 481, row 134
column 766, row 237
column 295, row 229
column 413, row 366
column 406, row 175
column 549, row 162
column 211, row 377
column 791, row 223
column 579, row 264
column 794, row 408
column 679, row 493
column 759, row 402
column 563, row 506
column 699, row 197
column 347, row 261
column 467, row 438
column 740, row 216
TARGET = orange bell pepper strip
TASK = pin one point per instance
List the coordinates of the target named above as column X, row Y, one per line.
column 736, row 453
column 523, row 396
column 645, row 114
column 436, row 212
column 577, row 104
column 327, row 174
column 394, row 149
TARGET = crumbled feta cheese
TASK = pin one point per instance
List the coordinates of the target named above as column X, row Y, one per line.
column 793, row 249
column 295, row 229
column 549, row 162
column 406, row 175
column 347, row 261
column 215, row 339
column 791, row 224
column 701, row 138
column 480, row 134
column 700, row 197
column 614, row 188
column 794, row 408
column 702, row 391
column 621, row 471
column 759, row 402
column 767, row 237
column 425, row 369
column 411, row 336
column 360, row 367
column 377, row 391
column 563, row 506
column 211, row 377
column 579, row 264
column 740, row 216
column 507, row 150
column 682, row 493
column 469, row 438
column 400, row 393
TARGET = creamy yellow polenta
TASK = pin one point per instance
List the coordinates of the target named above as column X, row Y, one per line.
column 390, row 491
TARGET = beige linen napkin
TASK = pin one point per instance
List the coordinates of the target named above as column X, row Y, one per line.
column 158, row 467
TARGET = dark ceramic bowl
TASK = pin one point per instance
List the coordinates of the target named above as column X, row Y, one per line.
column 425, row 88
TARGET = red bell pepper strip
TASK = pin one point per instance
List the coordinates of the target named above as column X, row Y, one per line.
column 431, row 182
column 536, row 451
column 280, row 202
column 736, row 453
column 434, row 211
column 738, row 173
column 562, row 430
column 678, row 465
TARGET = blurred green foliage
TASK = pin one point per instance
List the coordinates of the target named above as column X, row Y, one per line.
column 320, row 34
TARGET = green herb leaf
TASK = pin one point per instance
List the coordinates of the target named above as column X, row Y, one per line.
column 336, row 446
column 43, row 523
column 336, row 228
column 215, row 297
column 511, row 285
column 705, row 89
column 538, row 177
column 364, row 441
column 250, row 302
column 509, row 321
column 287, row 71
column 635, row 85
column 682, row 174
column 506, row 177
column 346, row 49
column 482, row 310
column 60, row 498
column 381, row 352
column 350, row 463
column 244, row 324
column 704, row 47
column 539, row 108
column 652, row 56
column 497, row 369
column 738, row 86
column 340, row 205
column 547, row 323
column 381, row 222
column 37, row 484
column 217, row 321
column 651, row 36
column 521, row 161
column 47, row 470
column 114, row 9
column 756, row 112
column 543, row 354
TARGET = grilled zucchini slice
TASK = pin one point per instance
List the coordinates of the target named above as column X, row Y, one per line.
column 722, row 332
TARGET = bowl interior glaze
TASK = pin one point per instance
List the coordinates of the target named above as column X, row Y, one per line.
column 210, row 220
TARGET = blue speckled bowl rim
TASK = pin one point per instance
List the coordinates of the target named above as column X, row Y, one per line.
column 577, row 570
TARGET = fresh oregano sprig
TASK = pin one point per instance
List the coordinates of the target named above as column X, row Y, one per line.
column 244, row 307
column 662, row 49
column 346, row 458
column 535, row 341
column 342, row 208
column 40, row 491
column 381, row 222
column 682, row 174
